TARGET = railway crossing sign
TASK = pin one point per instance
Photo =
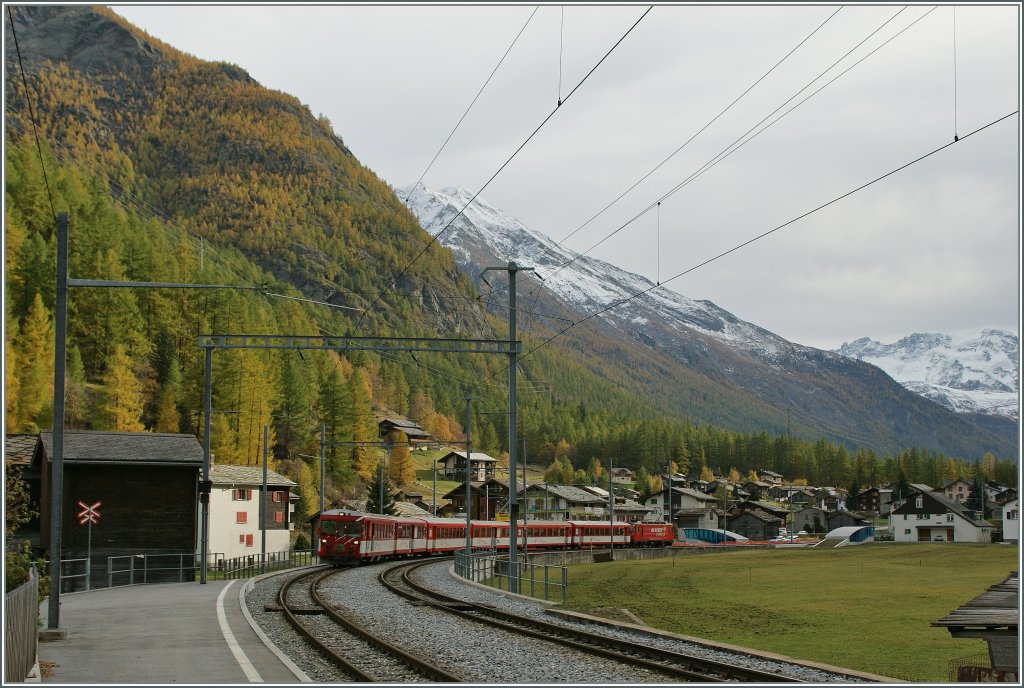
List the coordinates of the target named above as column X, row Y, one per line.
column 89, row 514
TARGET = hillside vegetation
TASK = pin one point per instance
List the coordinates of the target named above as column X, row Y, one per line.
column 178, row 170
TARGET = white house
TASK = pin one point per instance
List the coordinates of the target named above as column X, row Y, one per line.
column 932, row 517
column 235, row 511
column 1011, row 520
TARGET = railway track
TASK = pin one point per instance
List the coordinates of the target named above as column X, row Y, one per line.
column 676, row 665
column 358, row 652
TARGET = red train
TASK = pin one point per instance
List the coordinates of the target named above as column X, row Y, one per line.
column 349, row 537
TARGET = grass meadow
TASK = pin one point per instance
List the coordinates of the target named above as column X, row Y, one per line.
column 866, row 607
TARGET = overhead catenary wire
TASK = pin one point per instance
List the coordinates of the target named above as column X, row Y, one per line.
column 955, row 127
column 697, row 133
column 756, row 238
column 471, row 104
column 751, row 134
column 502, row 167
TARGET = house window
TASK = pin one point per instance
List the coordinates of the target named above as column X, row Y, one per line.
column 277, row 496
column 907, row 531
column 278, row 517
column 241, row 494
column 241, row 539
column 248, row 540
column 919, row 502
column 1011, row 515
column 241, row 517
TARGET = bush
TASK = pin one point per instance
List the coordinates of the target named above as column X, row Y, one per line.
column 301, row 542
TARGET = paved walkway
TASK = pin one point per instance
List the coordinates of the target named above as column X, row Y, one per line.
column 161, row 633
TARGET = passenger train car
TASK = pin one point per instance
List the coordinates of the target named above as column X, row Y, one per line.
column 351, row 537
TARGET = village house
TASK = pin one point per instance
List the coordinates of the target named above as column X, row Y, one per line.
column 144, row 486
column 1011, row 520
column 957, row 490
column 235, row 498
column 481, row 465
column 929, row 516
column 390, row 424
column 623, row 476
column 755, row 524
column 843, row 519
column 770, row 477
column 811, row 519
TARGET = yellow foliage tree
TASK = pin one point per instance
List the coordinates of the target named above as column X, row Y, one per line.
column 400, row 469
column 122, row 405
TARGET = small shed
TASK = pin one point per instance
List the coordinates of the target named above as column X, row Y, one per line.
column 391, row 423
column 992, row 616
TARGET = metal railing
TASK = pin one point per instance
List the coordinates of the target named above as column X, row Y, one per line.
column 494, row 570
column 129, row 569
column 68, row 581
column 21, row 613
column 256, row 564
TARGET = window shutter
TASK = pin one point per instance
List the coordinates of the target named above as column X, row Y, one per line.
column 248, row 540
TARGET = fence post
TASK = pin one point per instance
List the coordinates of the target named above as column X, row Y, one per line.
column 565, row 583
column 145, row 568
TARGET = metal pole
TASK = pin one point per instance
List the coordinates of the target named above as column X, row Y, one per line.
column 263, row 502
column 526, row 546
column 513, row 505
column 323, row 445
column 57, row 475
column 670, row 491
column 204, row 497
column 469, row 453
column 88, row 559
column 433, row 503
column 611, row 509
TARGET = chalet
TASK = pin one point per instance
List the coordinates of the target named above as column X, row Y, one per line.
column 843, row 519
column 830, row 498
column 622, row 476
column 811, row 519
column 235, row 497
column 928, row 516
column 146, row 484
column 1011, row 520
column 545, row 501
column 755, row 525
column 956, row 490
column 481, row 466
column 487, row 498
column 391, row 424
column 757, row 487
column 416, row 498
column 748, row 505
column 770, row 477
column 869, row 500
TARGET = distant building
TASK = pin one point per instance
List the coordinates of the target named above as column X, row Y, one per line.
column 392, row 423
column 481, row 465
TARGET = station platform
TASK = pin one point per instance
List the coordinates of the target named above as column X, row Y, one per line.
column 161, row 633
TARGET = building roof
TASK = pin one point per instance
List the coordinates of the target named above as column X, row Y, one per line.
column 477, row 457
column 226, row 474
column 997, row 607
column 760, row 515
column 696, row 494
column 948, row 505
column 18, row 449
column 409, row 509
column 771, row 473
column 137, row 448
column 412, row 429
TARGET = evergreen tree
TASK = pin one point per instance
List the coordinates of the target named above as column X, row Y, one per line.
column 377, row 487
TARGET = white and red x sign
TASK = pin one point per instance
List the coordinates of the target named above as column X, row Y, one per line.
column 89, row 513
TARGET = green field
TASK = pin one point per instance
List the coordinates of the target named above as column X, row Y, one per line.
column 866, row 607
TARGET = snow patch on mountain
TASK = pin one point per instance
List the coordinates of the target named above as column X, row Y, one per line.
column 970, row 372
column 586, row 284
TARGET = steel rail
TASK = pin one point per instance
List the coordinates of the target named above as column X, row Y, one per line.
column 415, row 662
column 677, row 664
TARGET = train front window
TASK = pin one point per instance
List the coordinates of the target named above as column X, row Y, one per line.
column 329, row 527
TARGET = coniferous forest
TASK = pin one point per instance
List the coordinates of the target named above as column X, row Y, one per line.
column 176, row 170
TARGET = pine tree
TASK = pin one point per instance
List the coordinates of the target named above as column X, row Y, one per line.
column 359, row 418
column 378, row 486
column 121, row 409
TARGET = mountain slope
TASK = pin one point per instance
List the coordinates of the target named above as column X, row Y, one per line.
column 970, row 372
column 760, row 379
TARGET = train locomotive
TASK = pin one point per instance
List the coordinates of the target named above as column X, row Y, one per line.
column 353, row 537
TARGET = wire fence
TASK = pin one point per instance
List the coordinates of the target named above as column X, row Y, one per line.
column 525, row 578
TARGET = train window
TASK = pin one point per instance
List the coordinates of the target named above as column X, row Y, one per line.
column 328, row 527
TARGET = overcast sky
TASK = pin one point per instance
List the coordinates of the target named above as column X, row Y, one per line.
column 932, row 248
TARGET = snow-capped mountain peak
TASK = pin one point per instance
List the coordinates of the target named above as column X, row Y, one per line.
column 974, row 371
